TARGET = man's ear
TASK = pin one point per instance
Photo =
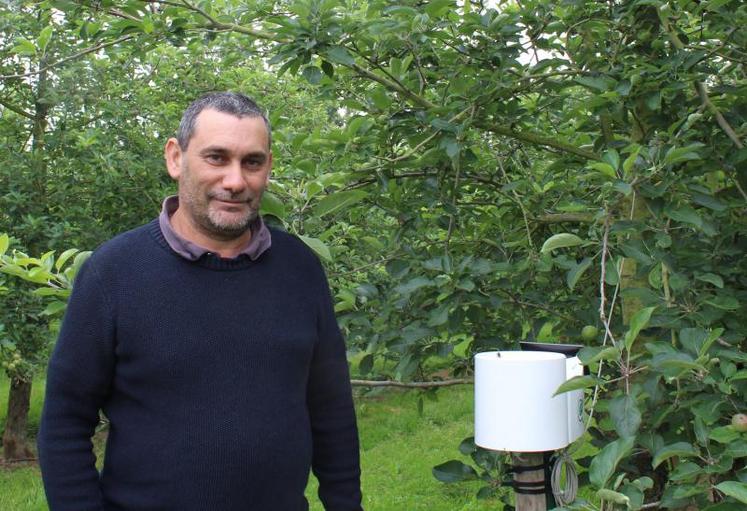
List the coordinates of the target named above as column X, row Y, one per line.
column 172, row 153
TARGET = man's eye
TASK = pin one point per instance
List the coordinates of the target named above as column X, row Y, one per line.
column 214, row 158
column 253, row 162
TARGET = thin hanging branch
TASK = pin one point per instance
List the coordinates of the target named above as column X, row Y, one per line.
column 521, row 205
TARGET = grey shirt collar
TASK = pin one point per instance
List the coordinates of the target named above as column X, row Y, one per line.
column 259, row 242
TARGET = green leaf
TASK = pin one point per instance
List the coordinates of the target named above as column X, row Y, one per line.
column 38, row 275
column 467, row 446
column 338, row 201
column 734, row 489
column 24, row 47
column 562, row 240
column 366, row 364
column 272, row 205
column 685, row 471
column 318, row 246
column 340, row 55
column 684, row 214
column 604, row 168
column 380, row 98
column 625, row 415
column 723, row 434
column 413, row 285
column 451, row 146
column 611, row 276
column 454, row 471
column 675, row 361
column 623, row 187
column 637, row 323
column 681, row 449
column 681, row 154
column 4, row 243
column 439, row 316
column 437, row 8
column 612, row 157
column 466, row 285
column 44, row 36
column 67, row 254
column 575, row 273
column 709, row 202
column 723, row 302
column 634, row 494
column 711, row 278
column 737, row 449
column 598, row 83
column 724, row 506
column 328, row 68
column 80, row 258
column 591, row 354
column 613, row 496
column 634, row 252
column 630, row 161
column 653, row 100
column 54, row 307
column 605, row 463
column 575, row 383
column 692, row 339
column 312, row 74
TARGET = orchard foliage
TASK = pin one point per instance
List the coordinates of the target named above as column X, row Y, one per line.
column 476, row 175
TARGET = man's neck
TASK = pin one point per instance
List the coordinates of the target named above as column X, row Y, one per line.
column 227, row 249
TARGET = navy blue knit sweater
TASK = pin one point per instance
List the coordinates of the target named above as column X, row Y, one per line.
column 224, row 381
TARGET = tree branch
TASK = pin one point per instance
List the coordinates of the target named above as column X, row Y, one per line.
column 700, row 87
column 558, row 218
column 120, row 14
column 410, row 385
column 16, row 109
column 507, row 131
column 533, row 138
column 231, row 26
column 74, row 56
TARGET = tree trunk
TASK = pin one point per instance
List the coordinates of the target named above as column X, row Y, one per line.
column 15, row 442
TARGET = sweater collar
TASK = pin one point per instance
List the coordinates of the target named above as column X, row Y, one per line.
column 260, row 241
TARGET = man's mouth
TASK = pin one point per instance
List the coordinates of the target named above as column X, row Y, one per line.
column 235, row 202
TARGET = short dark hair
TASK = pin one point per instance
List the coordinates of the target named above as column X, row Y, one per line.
column 233, row 103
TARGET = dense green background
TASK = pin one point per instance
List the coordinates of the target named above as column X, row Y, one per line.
column 472, row 175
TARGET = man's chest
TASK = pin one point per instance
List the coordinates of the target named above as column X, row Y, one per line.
column 190, row 330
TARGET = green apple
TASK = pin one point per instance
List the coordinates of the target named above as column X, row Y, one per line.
column 589, row 333
column 739, row 422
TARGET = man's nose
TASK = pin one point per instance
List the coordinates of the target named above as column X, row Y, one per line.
column 233, row 179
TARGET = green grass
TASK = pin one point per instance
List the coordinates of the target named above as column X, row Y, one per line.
column 21, row 485
column 398, row 449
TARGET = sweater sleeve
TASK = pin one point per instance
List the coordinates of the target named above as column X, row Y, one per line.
column 335, row 461
column 78, row 379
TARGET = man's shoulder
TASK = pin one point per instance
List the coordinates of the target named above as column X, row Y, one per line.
column 293, row 247
column 290, row 243
column 126, row 245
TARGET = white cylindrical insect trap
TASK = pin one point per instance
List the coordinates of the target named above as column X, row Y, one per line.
column 516, row 410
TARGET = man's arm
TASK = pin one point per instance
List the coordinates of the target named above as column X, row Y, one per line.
column 335, row 460
column 78, row 380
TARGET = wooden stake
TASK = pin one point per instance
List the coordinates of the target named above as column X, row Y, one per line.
column 529, row 478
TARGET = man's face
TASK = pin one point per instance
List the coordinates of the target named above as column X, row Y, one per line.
column 222, row 174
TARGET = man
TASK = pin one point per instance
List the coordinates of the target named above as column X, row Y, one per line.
column 210, row 343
